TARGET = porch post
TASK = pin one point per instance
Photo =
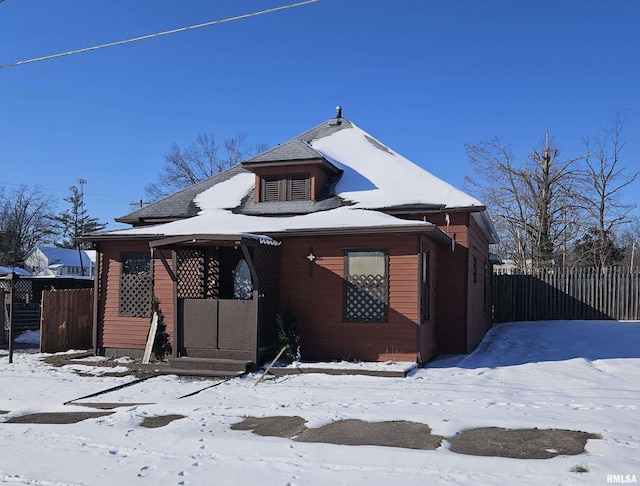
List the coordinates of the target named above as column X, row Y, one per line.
column 175, row 304
column 252, row 267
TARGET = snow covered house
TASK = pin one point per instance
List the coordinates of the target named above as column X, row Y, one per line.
column 45, row 261
column 375, row 257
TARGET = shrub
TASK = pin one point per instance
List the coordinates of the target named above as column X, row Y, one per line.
column 161, row 344
column 289, row 336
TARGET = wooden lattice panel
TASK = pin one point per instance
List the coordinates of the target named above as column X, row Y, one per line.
column 135, row 295
column 191, row 274
column 22, row 290
column 365, row 298
column 212, row 278
column 267, row 263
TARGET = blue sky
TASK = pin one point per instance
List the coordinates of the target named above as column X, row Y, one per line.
column 422, row 76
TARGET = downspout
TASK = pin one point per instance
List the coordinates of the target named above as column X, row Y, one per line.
column 467, row 283
column 96, row 301
column 420, row 313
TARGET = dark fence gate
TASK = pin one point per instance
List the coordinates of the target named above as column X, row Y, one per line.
column 571, row 293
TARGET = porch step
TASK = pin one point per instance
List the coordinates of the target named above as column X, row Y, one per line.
column 224, row 367
column 224, row 354
column 200, row 373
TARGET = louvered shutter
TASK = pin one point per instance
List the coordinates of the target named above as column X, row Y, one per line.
column 299, row 188
column 271, row 189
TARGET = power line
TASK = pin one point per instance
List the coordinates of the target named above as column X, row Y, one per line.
column 166, row 32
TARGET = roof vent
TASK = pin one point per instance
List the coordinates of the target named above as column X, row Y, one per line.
column 338, row 119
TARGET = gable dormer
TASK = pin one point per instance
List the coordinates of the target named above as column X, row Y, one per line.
column 293, row 171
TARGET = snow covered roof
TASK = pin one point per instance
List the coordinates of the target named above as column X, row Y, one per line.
column 57, row 257
column 372, row 180
column 375, row 177
column 180, row 204
column 18, row 271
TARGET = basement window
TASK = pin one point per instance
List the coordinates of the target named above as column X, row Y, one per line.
column 291, row 187
column 135, row 285
column 366, row 287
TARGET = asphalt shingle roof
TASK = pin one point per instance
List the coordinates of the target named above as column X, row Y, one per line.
column 298, row 148
column 180, row 205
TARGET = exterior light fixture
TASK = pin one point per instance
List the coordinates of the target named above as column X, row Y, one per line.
column 311, row 257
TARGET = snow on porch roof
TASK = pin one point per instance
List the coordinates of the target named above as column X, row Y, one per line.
column 222, row 223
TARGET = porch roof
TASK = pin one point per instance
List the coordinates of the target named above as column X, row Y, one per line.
column 200, row 238
column 273, row 237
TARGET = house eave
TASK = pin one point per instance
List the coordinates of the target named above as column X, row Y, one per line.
column 431, row 230
column 116, row 237
column 149, row 221
column 284, row 163
column 157, row 240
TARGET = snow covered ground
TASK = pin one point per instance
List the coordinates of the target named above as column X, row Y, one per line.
column 577, row 375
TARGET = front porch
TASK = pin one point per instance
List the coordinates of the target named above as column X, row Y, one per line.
column 225, row 301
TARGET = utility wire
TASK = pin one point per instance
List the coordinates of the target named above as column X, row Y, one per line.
column 166, row 32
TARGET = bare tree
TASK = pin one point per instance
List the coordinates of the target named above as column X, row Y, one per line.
column 491, row 160
column 25, row 220
column 603, row 182
column 531, row 202
column 201, row 160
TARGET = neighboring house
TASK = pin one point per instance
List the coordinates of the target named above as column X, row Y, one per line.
column 375, row 257
column 45, row 261
column 4, row 271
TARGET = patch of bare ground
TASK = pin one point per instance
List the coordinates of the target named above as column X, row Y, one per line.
column 55, row 417
column 520, row 443
column 284, row 427
column 159, row 421
column 490, row 441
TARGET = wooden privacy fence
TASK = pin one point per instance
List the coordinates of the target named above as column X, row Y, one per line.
column 572, row 293
column 67, row 320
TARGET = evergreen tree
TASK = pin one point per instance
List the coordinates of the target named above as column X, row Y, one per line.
column 75, row 221
column 592, row 251
column 289, row 336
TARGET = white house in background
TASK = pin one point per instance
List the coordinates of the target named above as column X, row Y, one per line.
column 45, row 261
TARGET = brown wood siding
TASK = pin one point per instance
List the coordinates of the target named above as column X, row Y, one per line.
column 478, row 307
column 427, row 338
column 119, row 332
column 164, row 291
column 314, row 293
column 463, row 307
column 451, row 298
